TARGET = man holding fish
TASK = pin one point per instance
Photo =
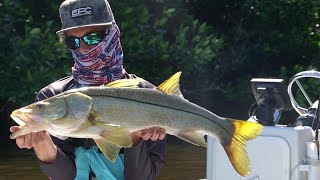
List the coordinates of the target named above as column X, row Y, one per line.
column 93, row 37
column 125, row 113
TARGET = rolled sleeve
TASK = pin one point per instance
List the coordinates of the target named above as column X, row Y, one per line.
column 143, row 162
column 62, row 168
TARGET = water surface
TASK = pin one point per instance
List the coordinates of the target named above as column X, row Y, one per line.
column 184, row 161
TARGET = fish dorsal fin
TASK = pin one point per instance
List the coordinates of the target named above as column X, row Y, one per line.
column 125, row 83
column 172, row 85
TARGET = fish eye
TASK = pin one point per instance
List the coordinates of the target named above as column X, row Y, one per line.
column 40, row 106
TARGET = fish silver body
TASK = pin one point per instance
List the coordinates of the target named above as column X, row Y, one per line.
column 144, row 108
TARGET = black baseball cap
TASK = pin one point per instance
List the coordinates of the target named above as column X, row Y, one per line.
column 82, row 13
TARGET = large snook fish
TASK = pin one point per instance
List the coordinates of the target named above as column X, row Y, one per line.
column 109, row 114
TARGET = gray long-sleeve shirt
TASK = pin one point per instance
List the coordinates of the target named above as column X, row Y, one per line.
column 142, row 162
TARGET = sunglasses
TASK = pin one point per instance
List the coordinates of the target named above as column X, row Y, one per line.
column 90, row 39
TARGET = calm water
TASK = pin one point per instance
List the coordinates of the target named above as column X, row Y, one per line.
column 184, row 161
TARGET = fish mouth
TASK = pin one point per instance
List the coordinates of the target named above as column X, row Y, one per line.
column 20, row 117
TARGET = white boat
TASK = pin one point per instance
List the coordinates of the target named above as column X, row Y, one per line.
column 279, row 152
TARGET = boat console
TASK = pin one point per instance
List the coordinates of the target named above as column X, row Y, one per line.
column 280, row 152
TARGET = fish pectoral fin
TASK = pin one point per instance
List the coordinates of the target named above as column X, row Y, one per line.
column 117, row 135
column 172, row 85
column 194, row 137
column 125, row 83
column 109, row 149
column 235, row 149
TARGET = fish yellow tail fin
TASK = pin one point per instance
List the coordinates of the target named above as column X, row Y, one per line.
column 243, row 131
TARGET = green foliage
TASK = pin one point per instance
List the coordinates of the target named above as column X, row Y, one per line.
column 160, row 38
column 32, row 56
column 263, row 38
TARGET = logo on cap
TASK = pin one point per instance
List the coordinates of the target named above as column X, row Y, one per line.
column 83, row 11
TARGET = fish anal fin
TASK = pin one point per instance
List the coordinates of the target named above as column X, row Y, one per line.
column 172, row 85
column 194, row 137
column 235, row 149
column 125, row 83
column 109, row 149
